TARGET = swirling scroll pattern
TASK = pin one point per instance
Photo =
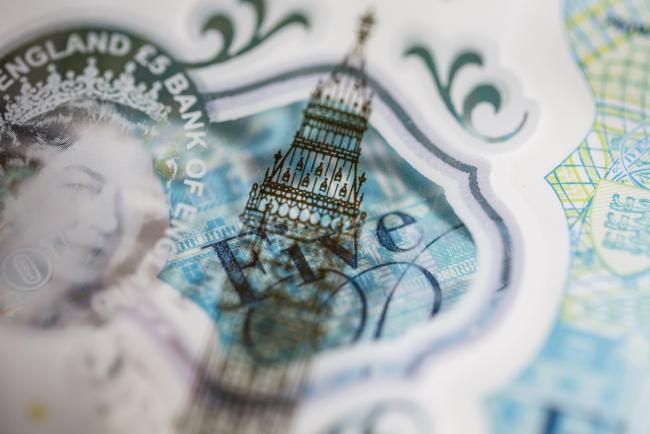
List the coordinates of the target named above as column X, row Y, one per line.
column 224, row 25
column 481, row 93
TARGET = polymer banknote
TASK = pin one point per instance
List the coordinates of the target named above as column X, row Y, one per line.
column 126, row 208
column 256, row 216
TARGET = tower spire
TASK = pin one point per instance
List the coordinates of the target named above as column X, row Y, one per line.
column 354, row 62
column 366, row 23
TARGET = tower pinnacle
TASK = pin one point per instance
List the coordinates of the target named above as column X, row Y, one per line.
column 366, row 23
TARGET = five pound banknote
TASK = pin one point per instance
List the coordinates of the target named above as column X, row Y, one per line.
column 283, row 217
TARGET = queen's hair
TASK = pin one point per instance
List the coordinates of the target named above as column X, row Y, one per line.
column 21, row 144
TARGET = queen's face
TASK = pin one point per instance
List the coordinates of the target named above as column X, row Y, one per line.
column 85, row 205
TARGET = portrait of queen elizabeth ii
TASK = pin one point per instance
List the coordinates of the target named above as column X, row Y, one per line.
column 80, row 204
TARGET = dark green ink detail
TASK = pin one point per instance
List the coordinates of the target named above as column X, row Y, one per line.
column 483, row 93
column 224, row 25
